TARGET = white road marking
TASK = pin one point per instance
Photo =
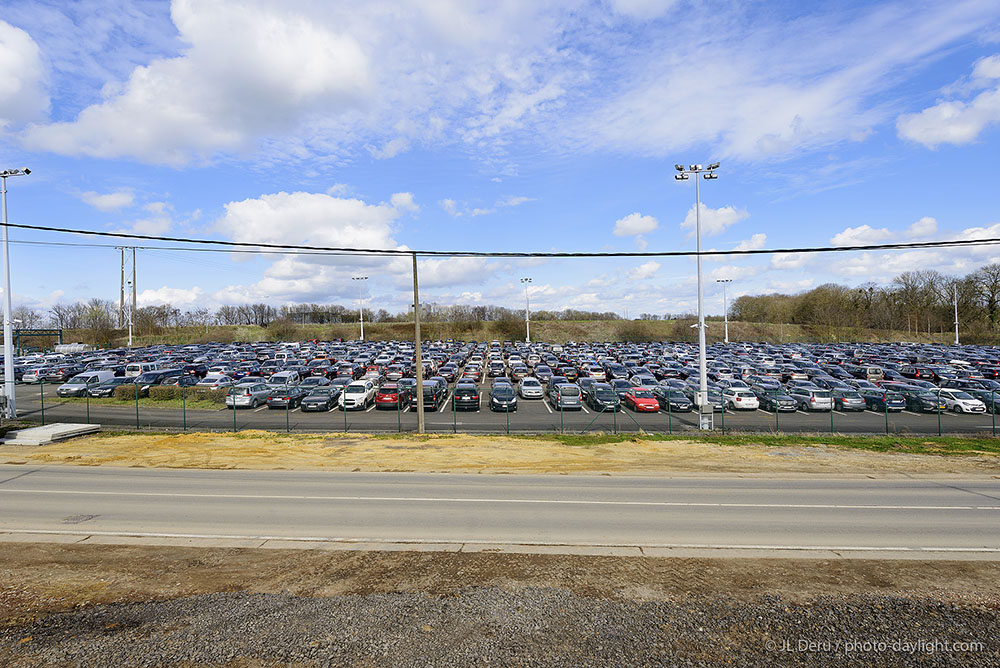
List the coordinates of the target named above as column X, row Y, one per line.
column 295, row 410
column 452, row 541
column 371, row 409
column 463, row 500
column 584, row 409
column 258, row 410
column 549, row 408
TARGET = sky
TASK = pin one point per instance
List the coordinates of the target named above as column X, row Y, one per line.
column 494, row 126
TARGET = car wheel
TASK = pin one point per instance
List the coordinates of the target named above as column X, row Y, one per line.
column 957, row 408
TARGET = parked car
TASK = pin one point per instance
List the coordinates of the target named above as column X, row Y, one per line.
column 736, row 399
column 466, row 397
column 962, row 402
column 107, row 388
column 672, row 399
column 922, row 400
column 80, row 384
column 503, row 398
column 641, row 400
column 848, row 400
column 247, row 396
column 812, row 399
column 776, row 400
column 285, row 396
column 883, row 400
column 602, row 397
column 320, row 398
column 358, row 395
column 390, row 396
column 215, row 381
column 530, row 388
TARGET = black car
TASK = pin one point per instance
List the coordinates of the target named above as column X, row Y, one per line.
column 503, row 398
column 602, row 397
column 775, row 400
column 466, row 397
column 320, row 398
column 107, row 388
column 285, row 396
column 672, row 399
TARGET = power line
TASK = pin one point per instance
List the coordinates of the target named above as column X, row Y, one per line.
column 335, row 250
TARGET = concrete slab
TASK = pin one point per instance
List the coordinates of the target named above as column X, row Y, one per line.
column 49, row 433
column 40, row 538
column 360, row 547
column 586, row 550
column 170, row 541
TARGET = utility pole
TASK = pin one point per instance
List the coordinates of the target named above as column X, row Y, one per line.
column 8, row 329
column 126, row 313
column 121, row 293
column 725, row 303
column 416, row 340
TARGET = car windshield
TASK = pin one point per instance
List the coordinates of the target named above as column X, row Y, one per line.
column 503, row 392
column 78, row 380
column 320, row 392
column 355, row 389
column 604, row 394
column 961, row 395
column 530, row 382
column 569, row 391
column 643, row 394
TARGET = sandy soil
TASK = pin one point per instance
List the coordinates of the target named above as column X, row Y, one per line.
column 470, row 454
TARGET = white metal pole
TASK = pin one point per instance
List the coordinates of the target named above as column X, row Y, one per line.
column 956, row 312
column 725, row 311
column 416, row 342
column 8, row 334
column 702, row 366
column 361, row 307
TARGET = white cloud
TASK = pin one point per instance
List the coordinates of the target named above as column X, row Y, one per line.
column 180, row 297
column 755, row 242
column 789, row 260
column 750, row 90
column 713, row 221
column 159, row 222
column 957, row 121
column 514, row 201
column 404, row 202
column 23, row 97
column 633, row 224
column 643, row 9
column 860, row 236
column 390, row 149
column 109, row 201
column 925, row 227
column 644, row 271
column 450, row 207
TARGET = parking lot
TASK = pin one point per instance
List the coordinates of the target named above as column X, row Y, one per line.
column 532, row 416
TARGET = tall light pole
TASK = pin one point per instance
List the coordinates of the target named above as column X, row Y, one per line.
column 527, row 311
column 955, row 292
column 725, row 303
column 8, row 333
column 705, row 414
column 361, row 303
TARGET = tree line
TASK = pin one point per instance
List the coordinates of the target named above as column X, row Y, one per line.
column 915, row 301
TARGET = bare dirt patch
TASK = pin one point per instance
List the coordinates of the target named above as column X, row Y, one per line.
column 478, row 454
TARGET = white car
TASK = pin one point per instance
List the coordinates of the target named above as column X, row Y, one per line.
column 357, row 395
column 739, row 399
column 530, row 388
column 962, row 402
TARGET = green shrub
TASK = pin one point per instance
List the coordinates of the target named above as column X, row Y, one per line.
column 165, row 392
column 206, row 394
column 126, row 392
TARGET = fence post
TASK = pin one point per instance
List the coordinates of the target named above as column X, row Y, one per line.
column 777, row 425
column 939, row 410
column 885, row 403
column 184, row 409
column 614, row 413
column 454, row 415
column 41, row 395
column 723, row 413
column 993, row 411
column 670, row 416
column 562, row 429
column 86, row 393
column 508, row 417
column 288, row 401
column 399, row 411
column 234, row 412
column 831, row 417
column 136, row 405
column 343, row 398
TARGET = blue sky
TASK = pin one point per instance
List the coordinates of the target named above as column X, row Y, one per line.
column 452, row 124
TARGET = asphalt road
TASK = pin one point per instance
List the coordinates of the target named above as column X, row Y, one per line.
column 533, row 416
column 959, row 518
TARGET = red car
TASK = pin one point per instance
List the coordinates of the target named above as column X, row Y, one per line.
column 642, row 400
column 390, row 396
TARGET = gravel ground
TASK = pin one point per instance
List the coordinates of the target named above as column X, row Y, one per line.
column 519, row 626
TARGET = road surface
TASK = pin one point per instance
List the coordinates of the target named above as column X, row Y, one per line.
column 946, row 517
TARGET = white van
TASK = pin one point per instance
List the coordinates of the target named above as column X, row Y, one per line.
column 134, row 369
column 78, row 385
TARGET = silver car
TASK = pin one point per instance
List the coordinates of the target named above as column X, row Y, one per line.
column 566, row 397
column 247, row 396
column 530, row 388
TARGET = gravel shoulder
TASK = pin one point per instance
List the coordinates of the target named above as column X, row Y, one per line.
column 76, row 605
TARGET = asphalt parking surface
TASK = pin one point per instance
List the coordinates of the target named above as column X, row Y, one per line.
column 532, row 416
